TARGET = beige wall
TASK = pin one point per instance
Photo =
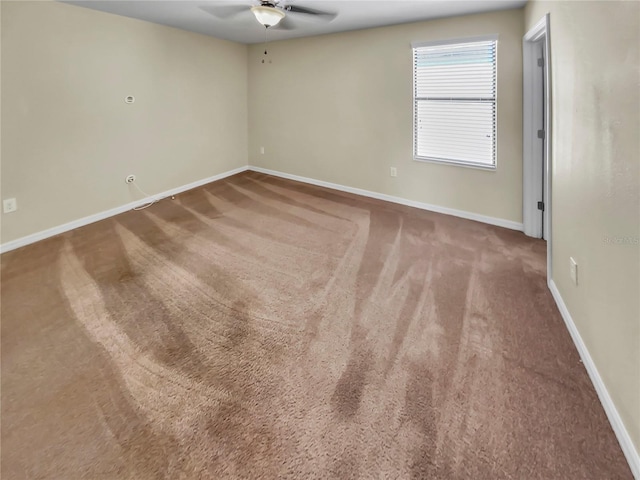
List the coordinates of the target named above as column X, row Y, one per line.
column 68, row 138
column 596, row 183
column 339, row 108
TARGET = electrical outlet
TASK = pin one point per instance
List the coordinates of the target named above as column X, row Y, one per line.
column 393, row 171
column 573, row 270
column 9, row 205
column 261, row 150
column 130, row 179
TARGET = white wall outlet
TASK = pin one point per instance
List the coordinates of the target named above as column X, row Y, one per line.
column 9, row 205
column 261, row 150
column 130, row 179
column 573, row 270
column 393, row 171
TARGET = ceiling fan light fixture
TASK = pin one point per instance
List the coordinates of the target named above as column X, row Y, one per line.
column 268, row 16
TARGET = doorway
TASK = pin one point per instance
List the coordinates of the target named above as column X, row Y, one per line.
column 536, row 201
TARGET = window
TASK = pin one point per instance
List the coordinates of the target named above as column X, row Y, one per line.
column 454, row 102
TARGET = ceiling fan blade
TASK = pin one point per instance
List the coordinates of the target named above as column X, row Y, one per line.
column 224, row 11
column 285, row 24
column 319, row 14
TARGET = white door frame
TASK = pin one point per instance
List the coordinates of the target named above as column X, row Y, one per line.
column 532, row 176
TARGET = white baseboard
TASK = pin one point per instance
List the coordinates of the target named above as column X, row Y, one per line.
column 633, row 457
column 50, row 232
column 500, row 222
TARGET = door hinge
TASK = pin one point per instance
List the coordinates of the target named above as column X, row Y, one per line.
column 541, row 134
column 541, row 62
column 541, row 206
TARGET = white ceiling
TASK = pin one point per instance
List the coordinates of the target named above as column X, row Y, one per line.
column 243, row 27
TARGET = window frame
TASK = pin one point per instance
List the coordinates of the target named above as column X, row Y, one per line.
column 445, row 161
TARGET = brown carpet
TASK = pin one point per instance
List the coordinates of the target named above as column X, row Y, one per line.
column 262, row 328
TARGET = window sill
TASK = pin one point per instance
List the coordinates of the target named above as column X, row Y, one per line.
column 477, row 166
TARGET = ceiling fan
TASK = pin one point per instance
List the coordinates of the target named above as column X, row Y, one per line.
column 271, row 13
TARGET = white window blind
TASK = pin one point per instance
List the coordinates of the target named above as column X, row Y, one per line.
column 455, row 102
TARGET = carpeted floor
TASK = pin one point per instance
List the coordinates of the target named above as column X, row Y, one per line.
column 262, row 328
